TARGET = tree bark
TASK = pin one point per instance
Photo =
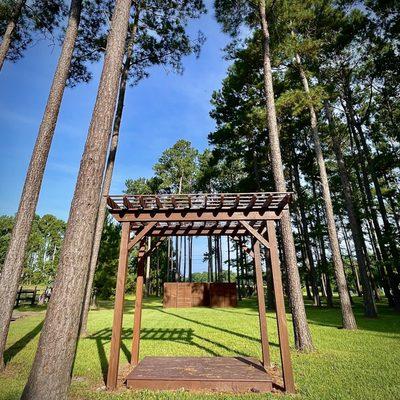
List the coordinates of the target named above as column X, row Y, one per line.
column 190, row 259
column 184, row 257
column 308, row 253
column 303, row 340
column 370, row 309
column 8, row 34
column 358, row 131
column 14, row 260
column 353, row 268
column 210, row 268
column 229, row 258
column 392, row 279
column 58, row 340
column 148, row 264
column 349, row 321
column 109, row 172
column 238, row 271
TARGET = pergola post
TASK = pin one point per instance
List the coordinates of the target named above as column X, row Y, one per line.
column 261, row 305
column 138, row 303
column 287, row 370
column 113, row 365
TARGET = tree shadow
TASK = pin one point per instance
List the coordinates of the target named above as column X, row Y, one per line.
column 241, row 335
column 19, row 345
column 185, row 336
column 101, row 338
column 387, row 322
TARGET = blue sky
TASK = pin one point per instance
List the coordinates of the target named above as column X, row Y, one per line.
column 159, row 111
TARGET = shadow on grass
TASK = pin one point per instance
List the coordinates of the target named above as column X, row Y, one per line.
column 176, row 335
column 241, row 335
column 388, row 320
column 19, row 345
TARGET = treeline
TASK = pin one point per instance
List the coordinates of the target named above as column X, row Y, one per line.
column 325, row 76
column 43, row 251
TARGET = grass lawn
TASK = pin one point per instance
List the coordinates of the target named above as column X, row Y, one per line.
column 364, row 364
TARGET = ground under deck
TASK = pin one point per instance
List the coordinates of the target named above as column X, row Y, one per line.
column 221, row 374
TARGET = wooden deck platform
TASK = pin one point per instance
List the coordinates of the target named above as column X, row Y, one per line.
column 213, row 374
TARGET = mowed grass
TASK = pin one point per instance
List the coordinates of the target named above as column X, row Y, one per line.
column 364, row 364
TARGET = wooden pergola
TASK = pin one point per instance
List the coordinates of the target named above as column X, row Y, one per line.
column 235, row 214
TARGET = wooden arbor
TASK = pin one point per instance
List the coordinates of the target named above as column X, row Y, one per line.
column 236, row 215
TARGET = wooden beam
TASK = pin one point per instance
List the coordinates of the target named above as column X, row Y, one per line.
column 158, row 202
column 261, row 306
column 287, row 370
column 112, row 204
column 252, row 201
column 138, row 304
column 161, row 232
column 256, row 234
column 193, row 215
column 237, row 200
column 267, row 201
column 173, row 201
column 113, row 364
column 141, row 234
column 127, row 203
column 282, row 203
column 141, row 202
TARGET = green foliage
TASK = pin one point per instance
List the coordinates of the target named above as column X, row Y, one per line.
column 38, row 19
column 161, row 37
column 43, row 250
column 142, row 186
column 6, row 226
column 177, row 167
column 106, row 272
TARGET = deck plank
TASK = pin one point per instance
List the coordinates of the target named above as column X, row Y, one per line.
column 221, row 374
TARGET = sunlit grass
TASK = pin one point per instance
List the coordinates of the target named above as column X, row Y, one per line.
column 363, row 364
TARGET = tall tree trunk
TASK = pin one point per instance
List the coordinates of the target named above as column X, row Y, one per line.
column 322, row 252
column 358, row 131
column 307, row 243
column 303, row 340
column 353, row 268
column 370, row 309
column 242, row 288
column 148, row 265
column 158, row 283
column 58, row 340
column 109, row 172
column 392, row 279
column 190, row 258
column 14, row 260
column 219, row 259
column 349, row 322
column 184, row 257
column 8, row 34
column 229, row 258
column 210, row 267
column 177, row 271
column 238, row 271
column 169, row 266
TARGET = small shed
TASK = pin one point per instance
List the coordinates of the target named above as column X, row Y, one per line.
column 196, row 294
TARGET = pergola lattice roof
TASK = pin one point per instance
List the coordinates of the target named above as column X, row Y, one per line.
column 198, row 214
